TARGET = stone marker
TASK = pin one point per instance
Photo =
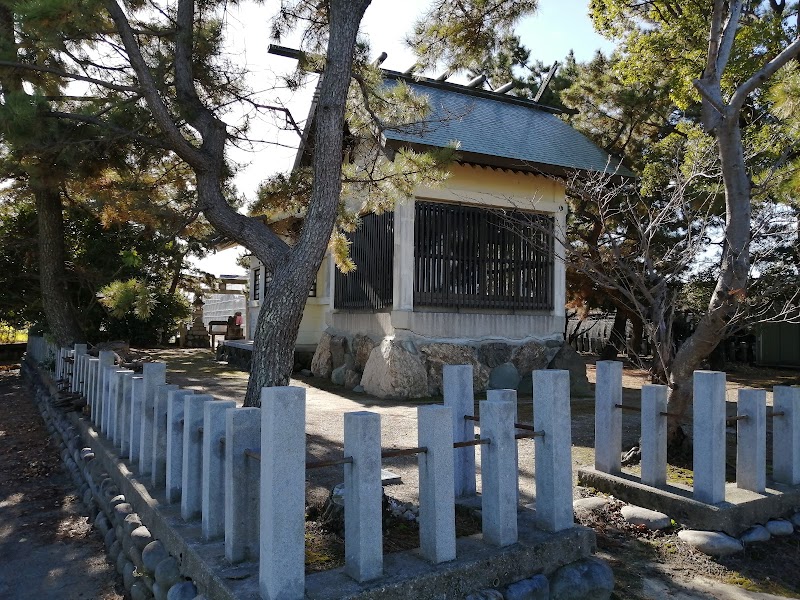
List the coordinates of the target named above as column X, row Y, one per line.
column 437, row 530
column 498, row 471
column 158, row 456
column 192, row 469
column 77, row 374
column 213, row 481
column 122, row 411
column 363, row 534
column 786, row 435
column 91, row 387
column 174, row 461
column 106, row 359
column 654, row 435
column 281, row 572
column 459, row 396
column 608, row 417
column 135, row 422
column 154, row 374
column 553, row 450
column 709, row 436
column 242, row 483
column 751, row 441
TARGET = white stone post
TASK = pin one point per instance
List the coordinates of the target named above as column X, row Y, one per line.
column 77, row 380
column 363, row 531
column 437, row 517
column 709, row 436
column 106, row 360
column 158, row 451
column 608, row 417
column 281, row 572
column 192, row 470
column 135, row 421
column 459, row 396
column 654, row 435
column 125, row 386
column 60, row 363
column 77, row 374
column 751, row 441
column 509, row 396
column 213, row 481
column 90, row 387
column 109, row 392
column 242, row 483
column 498, row 471
column 174, row 467
column 553, row 450
column 786, row 435
column 154, row 374
column 116, row 408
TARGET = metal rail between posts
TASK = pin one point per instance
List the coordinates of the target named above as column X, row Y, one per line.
column 676, row 415
column 523, row 426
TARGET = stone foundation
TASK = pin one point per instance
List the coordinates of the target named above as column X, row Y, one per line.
column 412, row 368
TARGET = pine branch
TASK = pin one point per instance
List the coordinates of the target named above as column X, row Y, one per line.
column 66, row 75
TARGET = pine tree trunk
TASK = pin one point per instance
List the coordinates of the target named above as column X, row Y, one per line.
column 58, row 309
column 285, row 297
column 731, row 282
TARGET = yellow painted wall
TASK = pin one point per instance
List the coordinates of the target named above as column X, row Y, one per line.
column 497, row 187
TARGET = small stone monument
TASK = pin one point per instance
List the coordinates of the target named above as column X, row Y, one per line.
column 197, row 336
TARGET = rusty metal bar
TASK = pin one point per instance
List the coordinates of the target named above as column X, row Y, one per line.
column 533, row 434
column 200, row 430
column 405, row 452
column 630, row 408
column 251, row 453
column 222, row 441
column 477, row 442
column 524, row 426
column 319, row 464
column 670, row 415
column 739, row 418
column 780, row 413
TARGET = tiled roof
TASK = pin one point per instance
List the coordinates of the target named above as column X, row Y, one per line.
column 522, row 133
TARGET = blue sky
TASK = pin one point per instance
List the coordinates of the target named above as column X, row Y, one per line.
column 558, row 27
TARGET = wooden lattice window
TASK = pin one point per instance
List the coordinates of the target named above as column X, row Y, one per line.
column 482, row 258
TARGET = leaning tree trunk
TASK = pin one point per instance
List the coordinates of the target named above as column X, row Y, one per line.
column 58, row 309
column 279, row 319
column 731, row 282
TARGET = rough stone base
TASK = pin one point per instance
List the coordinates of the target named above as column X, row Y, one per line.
column 741, row 510
column 478, row 566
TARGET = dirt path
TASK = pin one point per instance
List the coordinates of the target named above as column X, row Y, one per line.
column 48, row 549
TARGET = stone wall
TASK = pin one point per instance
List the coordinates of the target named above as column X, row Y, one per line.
column 412, row 368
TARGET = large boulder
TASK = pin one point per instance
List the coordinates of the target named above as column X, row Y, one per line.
column 494, row 354
column 529, row 357
column 438, row 355
column 362, row 347
column 569, row 360
column 322, row 363
column 395, row 370
column 338, row 351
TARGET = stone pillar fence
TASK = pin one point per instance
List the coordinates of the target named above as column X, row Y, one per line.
column 240, row 473
column 710, row 422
